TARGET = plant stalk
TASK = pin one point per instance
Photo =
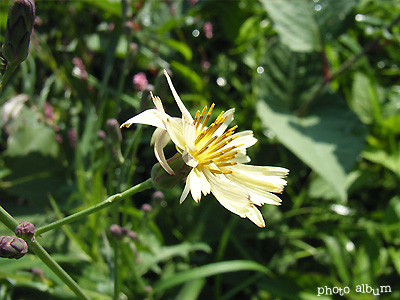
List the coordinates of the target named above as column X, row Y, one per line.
column 104, row 204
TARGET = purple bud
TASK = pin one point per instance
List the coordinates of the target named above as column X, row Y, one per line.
column 12, row 247
column 147, row 207
column 114, row 131
column 25, row 230
column 132, row 234
column 116, row 231
column 158, row 196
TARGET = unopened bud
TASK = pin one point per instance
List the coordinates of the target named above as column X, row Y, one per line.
column 25, row 230
column 162, row 180
column 147, row 207
column 116, row 231
column 21, row 16
column 113, row 130
column 12, row 247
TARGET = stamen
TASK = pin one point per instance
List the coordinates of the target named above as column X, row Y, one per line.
column 221, row 154
column 201, row 117
column 227, row 156
column 227, row 164
column 206, row 145
column 207, row 117
column 195, row 118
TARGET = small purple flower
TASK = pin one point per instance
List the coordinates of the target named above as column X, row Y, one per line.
column 140, row 81
column 208, row 30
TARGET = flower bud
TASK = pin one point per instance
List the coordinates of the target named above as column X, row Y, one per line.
column 12, row 247
column 163, row 180
column 114, row 131
column 25, row 230
column 21, row 16
column 116, row 231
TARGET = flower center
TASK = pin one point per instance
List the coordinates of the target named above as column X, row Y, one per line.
column 212, row 149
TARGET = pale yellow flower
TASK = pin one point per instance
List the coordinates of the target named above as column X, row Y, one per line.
column 217, row 158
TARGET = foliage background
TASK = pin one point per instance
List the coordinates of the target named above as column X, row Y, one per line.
column 317, row 82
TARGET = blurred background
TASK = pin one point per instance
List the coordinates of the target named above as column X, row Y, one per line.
column 317, row 81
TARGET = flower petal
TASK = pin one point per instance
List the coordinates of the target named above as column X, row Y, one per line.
column 160, row 139
column 185, row 191
column 256, row 217
column 182, row 107
column 233, row 197
column 189, row 134
column 175, row 131
column 226, row 123
column 148, row 117
column 244, row 137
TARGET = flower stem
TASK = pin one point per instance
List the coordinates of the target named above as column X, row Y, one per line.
column 10, row 69
column 56, row 268
column 106, row 203
column 7, row 219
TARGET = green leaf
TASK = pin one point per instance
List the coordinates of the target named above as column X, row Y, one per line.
column 37, row 138
column 379, row 156
column 295, row 24
column 188, row 74
column 35, row 176
column 181, row 47
column 366, row 98
column 329, row 140
column 339, row 258
column 305, row 26
column 209, row 270
column 165, row 253
column 191, row 290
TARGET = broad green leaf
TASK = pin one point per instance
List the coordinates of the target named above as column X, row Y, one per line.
column 304, row 25
column 35, row 176
column 329, row 140
column 209, row 270
column 37, row 138
column 295, row 24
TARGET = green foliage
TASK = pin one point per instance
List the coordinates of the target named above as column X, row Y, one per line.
column 317, row 82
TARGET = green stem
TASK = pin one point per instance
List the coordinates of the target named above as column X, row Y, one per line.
column 7, row 219
column 106, row 203
column 10, row 69
column 56, row 268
